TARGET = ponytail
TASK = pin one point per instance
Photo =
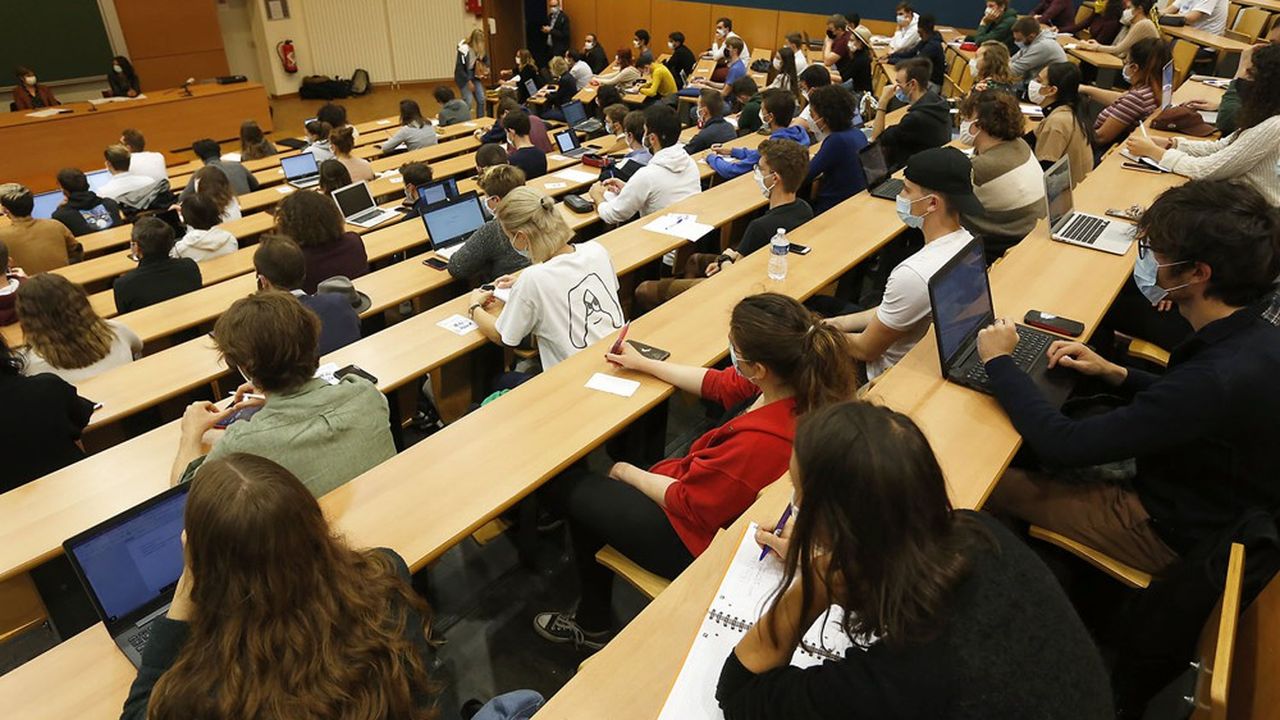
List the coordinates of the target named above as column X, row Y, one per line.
column 528, row 211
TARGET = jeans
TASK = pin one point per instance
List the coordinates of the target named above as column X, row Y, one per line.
column 473, row 93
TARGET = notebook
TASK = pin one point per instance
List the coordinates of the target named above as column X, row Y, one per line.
column 743, row 596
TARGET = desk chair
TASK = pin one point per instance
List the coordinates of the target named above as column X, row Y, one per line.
column 1249, row 25
column 646, row 582
column 20, row 606
column 1216, row 649
column 1184, row 57
column 1126, row 574
column 1233, row 12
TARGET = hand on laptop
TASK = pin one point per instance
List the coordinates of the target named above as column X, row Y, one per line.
column 1082, row 359
column 997, row 339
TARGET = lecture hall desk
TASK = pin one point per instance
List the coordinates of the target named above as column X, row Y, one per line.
column 169, row 119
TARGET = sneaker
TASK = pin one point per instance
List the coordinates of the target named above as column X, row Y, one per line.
column 563, row 628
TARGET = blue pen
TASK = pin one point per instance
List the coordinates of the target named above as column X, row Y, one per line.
column 777, row 530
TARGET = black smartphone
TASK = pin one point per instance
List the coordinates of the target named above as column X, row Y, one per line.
column 1141, row 168
column 437, row 263
column 649, row 351
column 799, row 249
column 243, row 413
column 1053, row 323
column 357, row 371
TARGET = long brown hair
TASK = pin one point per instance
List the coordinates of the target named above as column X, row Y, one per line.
column 253, row 143
column 59, row 323
column 873, row 502
column 211, row 182
column 807, row 354
column 288, row 622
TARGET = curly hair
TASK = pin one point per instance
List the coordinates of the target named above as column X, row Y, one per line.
column 1262, row 102
column 834, row 104
column 270, row 337
column 59, row 324
column 311, row 219
column 997, row 113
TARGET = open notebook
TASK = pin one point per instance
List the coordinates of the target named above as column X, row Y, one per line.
column 742, row 598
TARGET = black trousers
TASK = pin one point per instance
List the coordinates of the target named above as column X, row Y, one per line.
column 1133, row 315
column 603, row 511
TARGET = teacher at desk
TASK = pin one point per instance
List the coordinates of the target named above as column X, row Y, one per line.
column 122, row 78
column 30, row 95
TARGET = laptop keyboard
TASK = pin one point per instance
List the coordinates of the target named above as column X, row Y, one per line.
column 890, row 188
column 139, row 639
column 366, row 215
column 1085, row 229
column 1032, row 343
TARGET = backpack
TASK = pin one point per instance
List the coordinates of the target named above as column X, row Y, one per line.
column 320, row 87
column 360, row 84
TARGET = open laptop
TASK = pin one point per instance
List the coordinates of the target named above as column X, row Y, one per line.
column 575, row 116
column 567, row 144
column 97, row 179
column 301, row 171
column 880, row 182
column 438, row 191
column 451, row 222
column 46, row 203
column 130, row 565
column 1077, row 228
column 960, row 300
column 1166, row 85
column 531, row 87
column 356, row 204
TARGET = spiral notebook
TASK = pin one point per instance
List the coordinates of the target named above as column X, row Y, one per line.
column 742, row 598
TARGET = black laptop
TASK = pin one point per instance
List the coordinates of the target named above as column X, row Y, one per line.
column 880, row 180
column 575, row 116
column 450, row 222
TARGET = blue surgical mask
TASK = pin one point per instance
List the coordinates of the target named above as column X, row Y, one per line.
column 1020, row 45
column 1145, row 270
column 902, row 96
column 733, row 359
column 903, row 206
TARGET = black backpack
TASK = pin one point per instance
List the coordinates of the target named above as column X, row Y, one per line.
column 360, row 84
column 320, row 87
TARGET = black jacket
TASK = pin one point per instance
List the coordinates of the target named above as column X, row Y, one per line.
column 681, row 61
column 84, row 213
column 856, row 68
column 931, row 49
column 121, row 84
column 38, row 433
column 339, row 324
column 597, row 59
column 926, row 125
column 559, row 35
column 155, row 280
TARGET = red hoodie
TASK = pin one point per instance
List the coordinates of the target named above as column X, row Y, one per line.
column 727, row 467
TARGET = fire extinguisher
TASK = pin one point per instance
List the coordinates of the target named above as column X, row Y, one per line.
column 284, row 49
column 475, row 7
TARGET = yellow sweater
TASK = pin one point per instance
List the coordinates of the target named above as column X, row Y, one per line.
column 661, row 82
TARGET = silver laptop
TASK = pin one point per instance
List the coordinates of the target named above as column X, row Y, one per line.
column 450, row 222
column 356, row 204
column 301, row 171
column 567, row 144
column 130, row 565
column 1077, row 228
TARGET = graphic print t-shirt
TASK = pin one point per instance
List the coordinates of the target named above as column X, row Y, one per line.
column 567, row 303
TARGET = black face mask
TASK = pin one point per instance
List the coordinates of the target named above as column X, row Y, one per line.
column 831, row 34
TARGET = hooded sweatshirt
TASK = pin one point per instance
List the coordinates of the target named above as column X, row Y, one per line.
column 670, row 176
column 201, row 245
column 728, row 466
column 926, row 125
column 748, row 157
column 84, row 212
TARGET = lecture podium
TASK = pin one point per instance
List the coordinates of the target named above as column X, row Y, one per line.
column 169, row 118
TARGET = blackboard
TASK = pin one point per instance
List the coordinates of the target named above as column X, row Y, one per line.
column 59, row 39
column 962, row 13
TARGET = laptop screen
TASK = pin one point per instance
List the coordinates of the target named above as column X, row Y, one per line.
column 299, row 166
column 97, row 179
column 451, row 222
column 134, row 559
column 566, row 140
column 1057, row 191
column 46, row 203
column 961, row 301
column 873, row 164
column 353, row 199
column 1166, row 83
column 573, row 113
column 446, row 189
column 531, row 87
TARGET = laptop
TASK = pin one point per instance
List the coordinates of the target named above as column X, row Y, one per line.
column 130, row 565
column 960, row 299
column 575, row 116
column 438, row 191
column 1077, row 228
column 97, row 179
column 567, row 144
column 531, row 87
column 356, row 204
column 1166, row 85
column 880, row 182
column 451, row 222
column 46, row 203
column 301, row 171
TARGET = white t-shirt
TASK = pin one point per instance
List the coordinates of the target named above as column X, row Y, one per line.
column 581, row 73
column 1215, row 10
column 905, row 306
column 567, row 303
column 124, row 183
column 150, row 164
column 124, row 348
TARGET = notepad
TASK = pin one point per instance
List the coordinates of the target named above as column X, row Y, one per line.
column 1031, row 110
column 743, row 596
column 458, row 324
column 613, row 384
column 681, row 225
column 560, row 158
column 46, row 113
column 575, row 176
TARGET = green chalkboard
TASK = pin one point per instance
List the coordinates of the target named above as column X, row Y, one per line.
column 59, row 39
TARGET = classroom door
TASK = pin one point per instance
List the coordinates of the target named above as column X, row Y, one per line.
column 504, row 21
column 237, row 38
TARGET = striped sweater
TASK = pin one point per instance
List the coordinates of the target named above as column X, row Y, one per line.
column 1009, row 183
column 1251, row 156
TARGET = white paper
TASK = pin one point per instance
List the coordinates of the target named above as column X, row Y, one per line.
column 1070, row 46
column 613, row 384
column 681, row 225
column 231, row 156
column 468, row 124
column 326, row 373
column 394, row 179
column 383, row 122
column 1031, row 110
column 556, row 185
column 575, row 176
column 458, row 324
column 560, row 158
column 275, row 10
column 45, row 113
column 1210, row 117
column 284, row 189
column 503, row 294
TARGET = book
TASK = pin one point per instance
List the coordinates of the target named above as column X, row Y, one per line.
column 743, row 596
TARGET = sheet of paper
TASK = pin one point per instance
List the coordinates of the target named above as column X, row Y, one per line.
column 384, row 121
column 1209, row 117
column 560, row 158
column 1031, row 110
column 326, row 372
column 468, row 124
column 576, row 176
column 556, row 186
column 232, row 156
column 613, row 384
column 44, row 113
column 284, row 189
column 458, row 324
column 503, row 294
column 681, row 225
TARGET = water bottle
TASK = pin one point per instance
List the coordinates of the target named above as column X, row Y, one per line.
column 778, row 248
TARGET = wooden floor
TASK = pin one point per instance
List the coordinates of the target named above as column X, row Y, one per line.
column 288, row 113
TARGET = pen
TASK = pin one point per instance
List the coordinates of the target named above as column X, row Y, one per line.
column 622, row 335
column 777, row 530
column 251, row 396
column 1143, row 127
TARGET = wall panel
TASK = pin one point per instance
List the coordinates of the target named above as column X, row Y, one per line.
column 619, row 19
column 584, row 17
column 348, row 35
column 789, row 22
column 423, row 36
column 171, row 41
column 692, row 19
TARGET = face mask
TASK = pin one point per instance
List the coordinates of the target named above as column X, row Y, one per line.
column 1145, row 271
column 1020, row 45
column 733, row 360
column 1128, row 76
column 525, row 253
column 967, row 135
column 902, row 95
column 1035, row 92
column 831, row 34
column 117, row 68
column 1126, row 17
column 555, row 9
column 759, row 176
column 31, row 79
column 671, row 45
column 777, row 63
column 973, row 66
column 902, row 20
column 636, row 43
column 702, row 118
column 721, row 32
column 588, row 45
column 903, row 206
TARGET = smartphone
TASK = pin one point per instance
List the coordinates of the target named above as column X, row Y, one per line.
column 1141, row 168
column 357, row 371
column 1122, row 214
column 799, row 249
column 437, row 263
column 243, row 413
column 1053, row 323
column 649, row 351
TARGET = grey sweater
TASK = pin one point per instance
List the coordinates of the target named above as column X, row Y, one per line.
column 455, row 111
column 1044, row 49
column 486, row 255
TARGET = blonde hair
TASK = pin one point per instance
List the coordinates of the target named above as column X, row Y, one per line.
column 499, row 180
column 58, row 323
column 994, row 63
column 476, row 42
column 558, row 65
column 528, row 211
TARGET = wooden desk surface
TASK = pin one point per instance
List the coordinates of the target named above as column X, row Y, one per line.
column 1268, row 5
column 1204, row 39
column 1100, row 60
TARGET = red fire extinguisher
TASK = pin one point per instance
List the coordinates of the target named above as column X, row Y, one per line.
column 475, row 7
column 284, row 49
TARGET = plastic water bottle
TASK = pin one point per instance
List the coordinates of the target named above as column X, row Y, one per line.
column 778, row 248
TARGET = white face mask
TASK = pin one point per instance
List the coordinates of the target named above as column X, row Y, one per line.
column 765, row 190
column 636, row 43
column 1126, row 17
column 777, row 63
column 671, row 45
column 1035, row 92
column 973, row 66
column 902, row 20
column 721, row 32
column 1128, row 76
column 117, row 68
column 967, row 134
column 31, row 79
column 588, row 45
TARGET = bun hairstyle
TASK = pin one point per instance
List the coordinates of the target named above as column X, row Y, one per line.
column 343, row 139
column 527, row 211
column 809, row 355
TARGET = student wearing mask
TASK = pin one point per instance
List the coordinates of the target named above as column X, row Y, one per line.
column 1007, row 178
column 1124, row 111
column 212, row 183
column 785, row 363
column 333, row 176
column 324, row 434
column 488, row 254
column 453, row 110
column 1035, row 48
column 29, row 94
column 670, row 176
column 990, row 69
column 938, row 191
column 736, row 67
column 682, row 62
column 785, row 77
column 906, row 34
column 524, row 69
column 122, row 80
column 141, row 160
column 64, row 336
column 415, row 176
column 556, row 29
column 523, row 154
column 579, row 70
column 83, row 212
column 415, row 131
column 1057, row 13
column 640, row 46
column 930, row 48
column 498, row 134
column 1065, row 129
column 337, row 630
column 835, row 48
column 777, row 111
column 336, row 116
column 470, row 67
column 204, row 240
column 126, row 187
column 658, row 80
column 242, row 181
column 1136, row 24
column 637, row 155
column 812, row 78
column 836, row 167
column 159, row 275
column 343, row 143
column 254, row 145
column 927, row 123
column 615, row 116
column 35, row 244
column 1210, row 248
column 713, row 128
column 568, row 296
column 958, row 605
column 855, row 73
column 594, row 54
column 318, row 145
column 625, row 75
column 1207, row 15
column 315, row 223
column 997, row 24
column 720, row 35
column 280, row 265
column 1229, row 105
column 745, row 96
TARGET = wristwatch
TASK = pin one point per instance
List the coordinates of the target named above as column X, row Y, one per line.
column 471, row 311
column 724, row 258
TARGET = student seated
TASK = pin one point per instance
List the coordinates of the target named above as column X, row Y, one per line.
column 498, row 134
column 333, row 176
column 254, row 145
column 213, row 184
column 1229, row 104
column 997, row 25
column 204, row 240
column 613, row 117
column 938, row 190
column 64, row 336
column 722, row 32
column 594, row 54
column 637, row 155
column 523, row 154
column 1065, row 129
column 242, row 181
column 453, row 109
column 11, row 278
column 785, row 75
column 785, row 363
column 1007, row 179
column 318, row 140
column 1124, row 111
column 415, row 176
column 777, row 112
column 906, row 33
column 82, row 211
column 1208, row 247
column 337, row 631
column 525, row 69
column 1055, row 13
column 1035, row 48
column 336, row 117
column 35, row 244
column 159, row 275
column 780, row 167
column 990, row 69
column 1207, row 15
column 855, row 72
column 315, row 223
column 579, row 70
column 29, row 94
column 1251, row 154
column 324, row 434
column 640, row 46
column 659, row 82
column 927, row 123
column 735, row 64
column 682, row 62
column 944, row 607
column 129, row 189
column 744, row 97
column 415, row 131
column 812, row 78
column 929, row 47
column 343, row 142
column 713, row 129
column 835, row 47
column 1135, row 24
column 670, row 176
column 625, row 75
column 836, row 166
column 567, row 298
column 566, row 87
column 280, row 265
column 141, row 160
column 123, row 80
column 488, row 253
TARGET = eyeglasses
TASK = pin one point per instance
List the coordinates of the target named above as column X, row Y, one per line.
column 1144, row 246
